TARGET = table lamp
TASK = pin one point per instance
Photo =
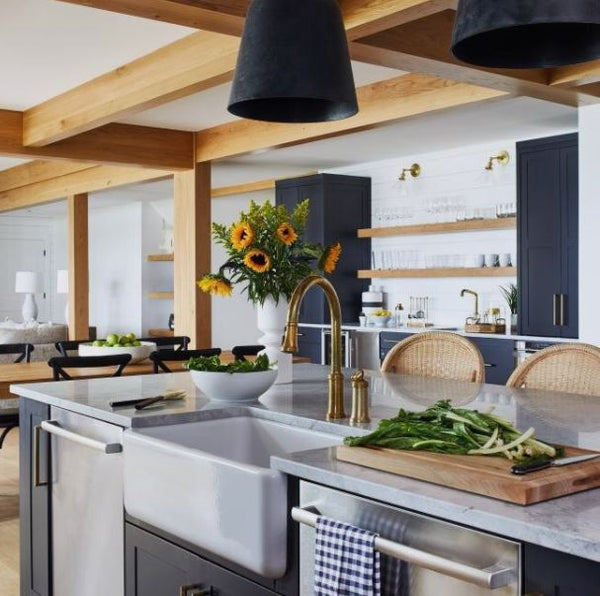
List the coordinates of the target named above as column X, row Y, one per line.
column 27, row 282
column 62, row 287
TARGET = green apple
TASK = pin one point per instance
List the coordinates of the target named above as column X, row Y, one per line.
column 112, row 339
column 99, row 343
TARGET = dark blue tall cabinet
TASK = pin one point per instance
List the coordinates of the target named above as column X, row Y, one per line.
column 548, row 220
column 339, row 205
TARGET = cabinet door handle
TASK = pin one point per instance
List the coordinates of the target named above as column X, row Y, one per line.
column 36, row 457
column 195, row 590
column 393, row 342
column 555, row 310
column 561, row 319
column 489, row 365
column 54, row 428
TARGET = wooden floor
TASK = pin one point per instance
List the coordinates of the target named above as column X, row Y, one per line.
column 9, row 515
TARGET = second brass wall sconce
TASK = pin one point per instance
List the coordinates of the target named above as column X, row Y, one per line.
column 414, row 171
column 502, row 158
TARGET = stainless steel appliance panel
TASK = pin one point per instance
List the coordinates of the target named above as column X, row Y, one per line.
column 347, row 348
column 87, row 506
column 431, row 542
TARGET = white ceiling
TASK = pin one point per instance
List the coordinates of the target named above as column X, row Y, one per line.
column 47, row 47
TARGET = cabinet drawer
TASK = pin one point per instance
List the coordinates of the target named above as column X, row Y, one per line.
column 388, row 340
column 498, row 355
column 156, row 567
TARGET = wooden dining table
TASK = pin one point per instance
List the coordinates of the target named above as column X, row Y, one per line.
column 40, row 372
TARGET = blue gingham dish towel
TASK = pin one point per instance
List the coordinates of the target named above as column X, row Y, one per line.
column 346, row 563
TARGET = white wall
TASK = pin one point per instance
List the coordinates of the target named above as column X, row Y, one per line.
column 234, row 318
column 589, row 219
column 115, row 247
column 459, row 178
column 23, row 240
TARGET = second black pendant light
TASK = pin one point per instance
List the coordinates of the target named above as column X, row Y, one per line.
column 527, row 33
column 293, row 64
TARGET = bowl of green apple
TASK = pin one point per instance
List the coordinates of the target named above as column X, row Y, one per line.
column 119, row 344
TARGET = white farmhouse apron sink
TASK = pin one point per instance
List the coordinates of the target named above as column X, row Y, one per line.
column 210, row 484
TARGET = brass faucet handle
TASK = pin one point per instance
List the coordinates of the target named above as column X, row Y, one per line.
column 360, row 398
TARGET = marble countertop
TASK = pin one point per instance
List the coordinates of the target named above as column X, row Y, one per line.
column 509, row 336
column 569, row 524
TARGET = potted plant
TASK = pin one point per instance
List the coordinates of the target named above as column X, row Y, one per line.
column 511, row 295
column 268, row 256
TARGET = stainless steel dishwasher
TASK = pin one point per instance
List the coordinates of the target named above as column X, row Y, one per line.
column 421, row 556
column 87, row 505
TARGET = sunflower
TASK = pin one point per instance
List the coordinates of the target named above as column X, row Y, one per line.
column 242, row 235
column 286, row 233
column 215, row 284
column 257, row 260
column 330, row 257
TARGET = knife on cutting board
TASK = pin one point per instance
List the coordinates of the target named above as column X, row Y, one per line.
column 534, row 466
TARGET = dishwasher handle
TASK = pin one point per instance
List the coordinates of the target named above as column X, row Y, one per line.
column 54, row 428
column 491, row 578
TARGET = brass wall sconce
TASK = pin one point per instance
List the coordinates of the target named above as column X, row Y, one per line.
column 414, row 171
column 502, row 158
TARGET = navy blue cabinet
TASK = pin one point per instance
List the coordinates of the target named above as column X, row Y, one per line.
column 548, row 193
column 387, row 340
column 339, row 205
column 553, row 573
column 309, row 343
column 35, row 508
column 157, row 567
column 498, row 356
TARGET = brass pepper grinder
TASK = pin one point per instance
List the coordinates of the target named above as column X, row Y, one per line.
column 360, row 398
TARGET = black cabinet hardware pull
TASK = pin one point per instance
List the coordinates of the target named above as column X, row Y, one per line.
column 555, row 310
column 196, row 590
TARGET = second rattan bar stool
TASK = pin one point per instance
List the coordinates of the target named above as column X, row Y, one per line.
column 570, row 368
column 436, row 354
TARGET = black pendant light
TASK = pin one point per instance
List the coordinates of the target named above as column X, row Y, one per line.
column 526, row 33
column 293, row 64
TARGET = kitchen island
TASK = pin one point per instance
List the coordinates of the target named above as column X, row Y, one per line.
column 568, row 526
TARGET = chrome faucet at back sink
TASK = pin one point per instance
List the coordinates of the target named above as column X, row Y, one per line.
column 476, row 313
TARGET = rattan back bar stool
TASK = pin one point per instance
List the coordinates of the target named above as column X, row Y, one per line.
column 438, row 354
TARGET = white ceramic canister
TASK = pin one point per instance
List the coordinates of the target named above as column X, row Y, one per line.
column 372, row 301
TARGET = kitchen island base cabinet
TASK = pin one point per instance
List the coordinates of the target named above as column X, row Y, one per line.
column 35, row 512
column 552, row 573
column 156, row 567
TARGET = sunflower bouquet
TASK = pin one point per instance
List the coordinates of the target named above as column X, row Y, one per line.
column 265, row 251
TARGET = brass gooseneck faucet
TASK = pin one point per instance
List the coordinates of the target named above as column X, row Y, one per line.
column 335, row 406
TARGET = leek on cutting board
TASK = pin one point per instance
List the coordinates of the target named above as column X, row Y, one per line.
column 444, row 429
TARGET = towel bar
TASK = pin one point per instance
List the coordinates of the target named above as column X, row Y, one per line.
column 492, row 577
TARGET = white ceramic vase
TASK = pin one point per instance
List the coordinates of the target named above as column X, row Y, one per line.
column 271, row 319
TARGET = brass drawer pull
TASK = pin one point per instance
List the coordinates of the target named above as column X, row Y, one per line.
column 195, row 590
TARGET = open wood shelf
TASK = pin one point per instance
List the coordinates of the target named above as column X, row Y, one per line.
column 161, row 257
column 442, row 272
column 474, row 225
column 161, row 295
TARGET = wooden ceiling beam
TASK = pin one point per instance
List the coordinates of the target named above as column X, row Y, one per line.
column 117, row 144
column 379, row 103
column 576, row 75
column 192, row 64
column 362, row 17
column 424, row 46
column 92, row 179
column 178, row 12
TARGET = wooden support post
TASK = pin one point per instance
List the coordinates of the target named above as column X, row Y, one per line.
column 77, row 244
column 192, row 253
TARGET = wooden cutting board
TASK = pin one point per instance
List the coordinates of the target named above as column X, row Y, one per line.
column 484, row 475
